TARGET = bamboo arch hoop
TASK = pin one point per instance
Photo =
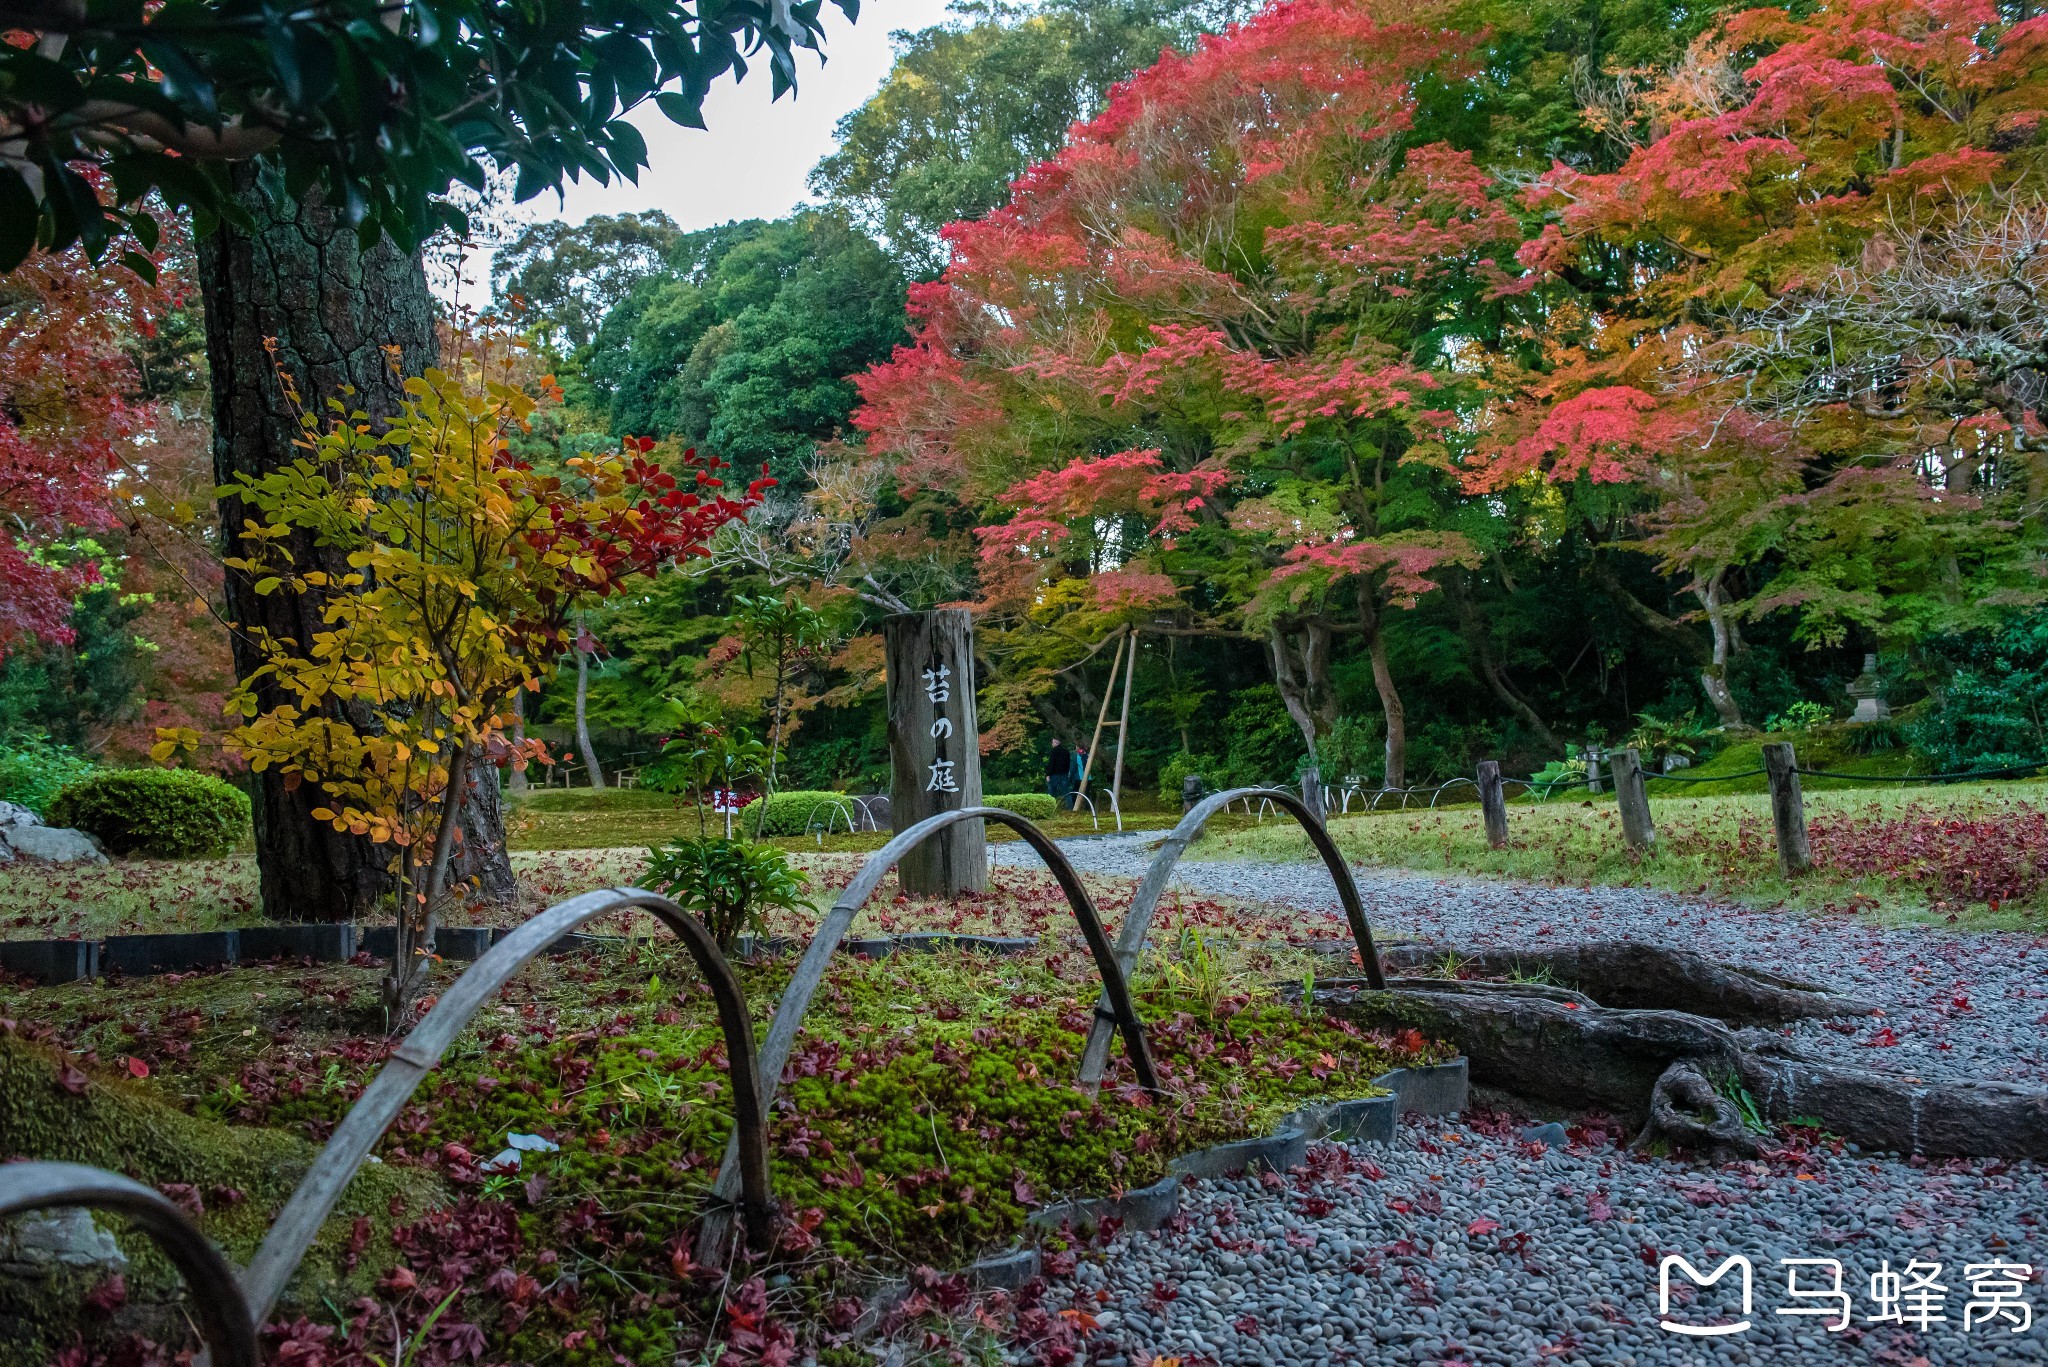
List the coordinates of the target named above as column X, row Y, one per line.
column 1130, row 941
column 300, row 1221
column 810, row 972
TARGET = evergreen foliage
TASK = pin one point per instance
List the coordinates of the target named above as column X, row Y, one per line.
column 163, row 813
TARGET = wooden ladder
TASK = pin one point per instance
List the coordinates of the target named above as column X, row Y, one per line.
column 1126, row 659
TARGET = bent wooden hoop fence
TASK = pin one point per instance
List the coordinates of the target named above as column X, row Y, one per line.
column 810, row 971
column 300, row 1221
column 1130, row 940
column 231, row 1308
column 225, row 1323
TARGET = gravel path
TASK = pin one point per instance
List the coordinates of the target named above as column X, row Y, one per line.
column 1954, row 1003
column 1461, row 1247
column 1468, row 1246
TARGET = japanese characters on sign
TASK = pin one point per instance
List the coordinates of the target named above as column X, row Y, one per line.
column 938, row 689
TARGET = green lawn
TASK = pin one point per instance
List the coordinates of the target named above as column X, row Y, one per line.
column 579, row 819
column 1975, row 853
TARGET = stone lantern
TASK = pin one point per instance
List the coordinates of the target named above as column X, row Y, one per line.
column 1870, row 703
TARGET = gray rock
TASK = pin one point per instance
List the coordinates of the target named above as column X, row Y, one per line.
column 1551, row 1136
column 55, row 845
column 43, row 1241
column 14, row 814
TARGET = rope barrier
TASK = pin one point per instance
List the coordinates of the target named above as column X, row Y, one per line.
column 1924, row 778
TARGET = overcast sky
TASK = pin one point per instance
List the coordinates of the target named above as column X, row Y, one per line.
column 752, row 159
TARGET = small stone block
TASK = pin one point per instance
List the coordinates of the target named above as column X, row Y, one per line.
column 1439, row 1089
column 1551, row 1136
column 876, row 947
column 462, row 943
column 1367, row 1120
column 1276, row 1152
column 51, row 961
column 141, row 955
column 1005, row 1271
column 1146, row 1208
column 573, row 944
column 326, row 944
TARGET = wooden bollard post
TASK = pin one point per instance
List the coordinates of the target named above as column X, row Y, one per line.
column 934, row 748
column 1788, row 809
column 1593, row 770
column 1633, row 797
column 1493, row 803
column 1312, row 791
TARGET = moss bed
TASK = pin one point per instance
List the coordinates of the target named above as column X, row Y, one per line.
column 929, row 1105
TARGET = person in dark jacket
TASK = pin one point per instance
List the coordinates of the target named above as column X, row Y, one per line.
column 1059, row 773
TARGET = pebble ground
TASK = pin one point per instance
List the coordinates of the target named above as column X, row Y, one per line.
column 1466, row 1244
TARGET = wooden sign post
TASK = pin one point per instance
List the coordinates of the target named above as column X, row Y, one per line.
column 935, row 748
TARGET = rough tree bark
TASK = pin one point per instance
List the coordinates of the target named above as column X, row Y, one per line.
column 1383, row 680
column 1714, row 678
column 1300, row 653
column 333, row 310
column 583, row 744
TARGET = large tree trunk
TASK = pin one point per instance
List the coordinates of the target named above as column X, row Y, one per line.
column 1300, row 654
column 1714, row 678
column 583, row 720
column 1390, row 696
column 332, row 309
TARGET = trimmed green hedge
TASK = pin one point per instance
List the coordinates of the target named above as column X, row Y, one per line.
column 169, row 813
column 1030, row 806
column 790, row 813
column 793, row 813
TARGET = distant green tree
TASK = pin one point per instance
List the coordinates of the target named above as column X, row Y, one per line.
column 77, row 692
column 566, row 277
column 743, row 343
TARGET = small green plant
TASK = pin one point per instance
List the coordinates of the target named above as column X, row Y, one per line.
column 1658, row 734
column 33, row 772
column 168, row 813
column 1744, row 1101
column 1560, row 776
column 727, row 884
column 1875, row 737
column 1799, row 718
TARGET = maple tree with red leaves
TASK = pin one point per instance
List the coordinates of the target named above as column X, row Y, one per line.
column 466, row 573
column 70, row 423
column 1192, row 376
column 1753, row 330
